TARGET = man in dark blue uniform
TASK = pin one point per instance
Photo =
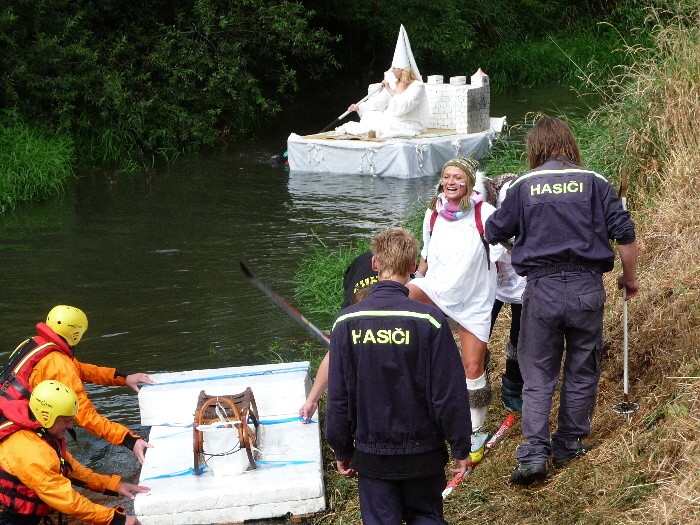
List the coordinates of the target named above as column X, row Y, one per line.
column 562, row 217
column 396, row 393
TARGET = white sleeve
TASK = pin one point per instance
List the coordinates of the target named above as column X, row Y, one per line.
column 407, row 101
column 377, row 102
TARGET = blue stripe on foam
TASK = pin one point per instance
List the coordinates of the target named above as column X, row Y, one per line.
column 230, row 376
column 293, row 419
column 165, row 436
column 282, row 463
column 202, row 468
column 186, row 472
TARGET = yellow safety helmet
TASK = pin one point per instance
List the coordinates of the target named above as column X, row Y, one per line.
column 51, row 399
column 68, row 321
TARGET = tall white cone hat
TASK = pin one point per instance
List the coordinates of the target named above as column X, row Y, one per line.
column 403, row 56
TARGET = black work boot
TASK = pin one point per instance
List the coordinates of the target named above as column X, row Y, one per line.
column 528, row 473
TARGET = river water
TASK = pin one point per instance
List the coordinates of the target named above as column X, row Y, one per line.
column 154, row 260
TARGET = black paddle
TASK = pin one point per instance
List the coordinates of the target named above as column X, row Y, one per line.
column 282, row 303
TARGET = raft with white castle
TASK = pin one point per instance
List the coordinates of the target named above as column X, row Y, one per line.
column 459, row 124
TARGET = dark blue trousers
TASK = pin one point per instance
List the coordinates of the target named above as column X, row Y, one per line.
column 390, row 502
column 562, row 309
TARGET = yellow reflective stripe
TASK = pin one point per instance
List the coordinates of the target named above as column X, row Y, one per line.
column 554, row 172
column 29, row 355
column 6, row 424
column 21, row 345
column 389, row 313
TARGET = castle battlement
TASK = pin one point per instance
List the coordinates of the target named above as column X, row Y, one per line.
column 458, row 105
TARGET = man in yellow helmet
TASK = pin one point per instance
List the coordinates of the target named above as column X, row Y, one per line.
column 36, row 470
column 49, row 355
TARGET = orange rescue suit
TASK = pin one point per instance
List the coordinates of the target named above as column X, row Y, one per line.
column 61, row 365
column 37, row 465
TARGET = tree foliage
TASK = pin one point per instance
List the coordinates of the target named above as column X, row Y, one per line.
column 447, row 36
column 131, row 80
column 158, row 77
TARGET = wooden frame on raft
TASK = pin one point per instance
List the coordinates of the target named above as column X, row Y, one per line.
column 239, row 409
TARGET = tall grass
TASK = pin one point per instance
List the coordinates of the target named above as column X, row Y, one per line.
column 653, row 105
column 319, row 279
column 34, row 163
column 561, row 57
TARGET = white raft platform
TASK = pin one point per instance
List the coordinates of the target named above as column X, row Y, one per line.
column 404, row 158
column 288, row 480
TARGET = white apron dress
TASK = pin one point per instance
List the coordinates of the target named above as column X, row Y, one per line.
column 458, row 280
column 403, row 115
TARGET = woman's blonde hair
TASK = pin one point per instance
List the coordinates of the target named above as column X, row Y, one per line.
column 406, row 76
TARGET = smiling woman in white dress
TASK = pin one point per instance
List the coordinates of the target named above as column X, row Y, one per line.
column 457, row 272
column 400, row 108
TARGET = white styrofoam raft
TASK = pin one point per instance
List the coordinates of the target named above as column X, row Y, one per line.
column 404, row 158
column 289, row 477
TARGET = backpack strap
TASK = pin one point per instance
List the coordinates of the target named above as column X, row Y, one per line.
column 433, row 217
column 477, row 215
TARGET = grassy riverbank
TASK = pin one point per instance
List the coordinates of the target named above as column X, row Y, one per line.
column 34, row 163
column 644, row 469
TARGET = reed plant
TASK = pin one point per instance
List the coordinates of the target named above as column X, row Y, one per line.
column 652, row 107
column 319, row 279
column 34, row 163
column 562, row 57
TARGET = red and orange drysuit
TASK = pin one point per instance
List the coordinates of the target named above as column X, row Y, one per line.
column 48, row 356
column 36, row 472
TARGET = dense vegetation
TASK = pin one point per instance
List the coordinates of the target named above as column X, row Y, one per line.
column 136, row 80
column 33, row 162
column 642, row 469
column 130, row 83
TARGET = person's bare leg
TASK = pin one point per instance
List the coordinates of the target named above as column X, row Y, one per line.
column 473, row 354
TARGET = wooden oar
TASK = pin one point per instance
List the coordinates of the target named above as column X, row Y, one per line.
column 282, row 303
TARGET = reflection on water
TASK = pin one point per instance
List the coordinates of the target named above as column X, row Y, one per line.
column 153, row 261
column 327, row 203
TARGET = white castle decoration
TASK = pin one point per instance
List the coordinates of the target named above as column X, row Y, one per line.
column 459, row 124
column 457, row 106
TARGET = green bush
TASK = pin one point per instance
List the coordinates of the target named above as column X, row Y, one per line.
column 132, row 83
